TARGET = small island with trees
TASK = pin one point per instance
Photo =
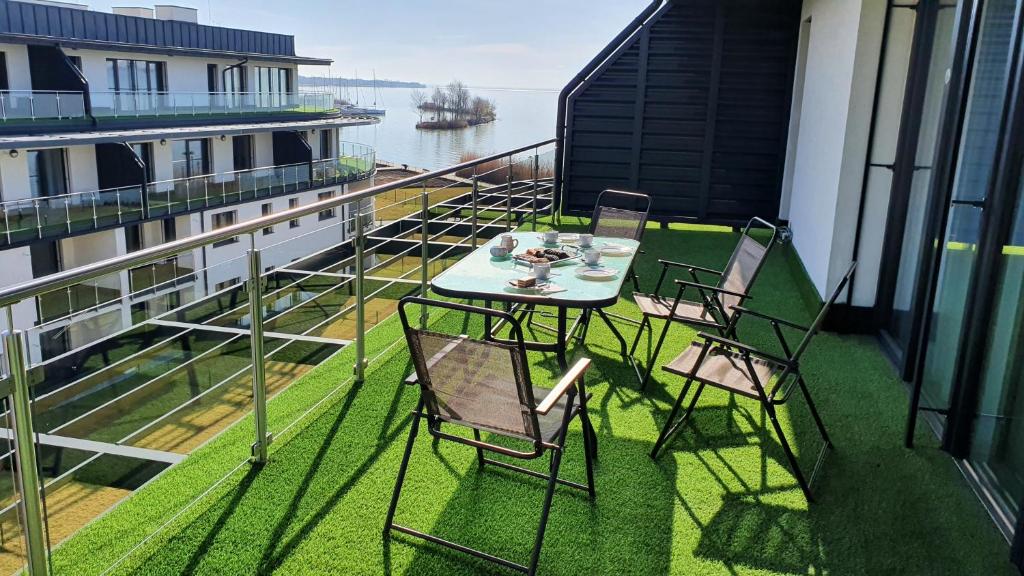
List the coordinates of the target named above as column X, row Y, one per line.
column 452, row 107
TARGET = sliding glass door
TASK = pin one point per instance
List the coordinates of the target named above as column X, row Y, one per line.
column 911, row 200
column 983, row 121
column 998, row 435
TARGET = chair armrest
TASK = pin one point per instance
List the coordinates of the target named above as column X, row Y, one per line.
column 770, row 318
column 574, row 374
column 745, row 348
column 699, row 286
column 690, row 266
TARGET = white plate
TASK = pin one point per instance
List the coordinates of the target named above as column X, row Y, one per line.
column 615, row 250
column 588, row 273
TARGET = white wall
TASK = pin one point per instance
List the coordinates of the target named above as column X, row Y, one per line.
column 284, row 245
column 830, row 144
column 81, row 165
column 264, row 149
column 18, row 75
column 14, row 176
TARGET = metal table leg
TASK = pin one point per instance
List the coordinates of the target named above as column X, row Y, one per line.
column 622, row 341
column 563, row 338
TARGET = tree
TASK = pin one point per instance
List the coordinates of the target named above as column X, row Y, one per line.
column 481, row 108
column 419, row 98
column 439, row 101
column 458, row 97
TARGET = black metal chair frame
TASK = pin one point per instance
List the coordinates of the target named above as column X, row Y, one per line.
column 637, row 198
column 571, row 387
column 710, row 298
column 789, row 379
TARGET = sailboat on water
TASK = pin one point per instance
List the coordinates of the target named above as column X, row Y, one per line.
column 358, row 110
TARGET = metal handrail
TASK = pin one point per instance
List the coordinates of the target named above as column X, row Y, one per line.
column 13, row 294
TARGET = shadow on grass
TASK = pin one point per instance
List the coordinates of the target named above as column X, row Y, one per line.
column 498, row 511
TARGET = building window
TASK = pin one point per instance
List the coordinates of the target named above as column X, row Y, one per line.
column 243, row 152
column 292, row 204
column 226, row 284
column 272, row 84
column 190, row 158
column 268, row 209
column 135, row 75
column 170, row 230
column 145, row 153
column 211, row 78
column 47, row 172
column 233, row 80
column 223, row 220
column 326, row 144
column 325, row 214
column 5, row 83
column 133, row 237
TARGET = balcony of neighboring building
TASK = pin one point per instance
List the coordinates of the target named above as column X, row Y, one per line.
column 55, row 216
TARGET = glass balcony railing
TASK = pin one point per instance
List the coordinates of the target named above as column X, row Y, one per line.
column 58, row 216
column 161, row 275
column 19, row 105
column 202, row 104
column 112, row 405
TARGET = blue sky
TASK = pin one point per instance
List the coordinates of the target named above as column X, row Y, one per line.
column 486, row 43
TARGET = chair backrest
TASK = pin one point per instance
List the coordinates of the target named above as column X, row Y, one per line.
column 744, row 265
column 820, row 319
column 620, row 214
column 482, row 384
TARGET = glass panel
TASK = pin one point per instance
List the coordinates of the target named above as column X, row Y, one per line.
column 900, row 323
column 999, row 429
column 979, row 138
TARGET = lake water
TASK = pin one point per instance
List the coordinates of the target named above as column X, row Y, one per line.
column 524, row 117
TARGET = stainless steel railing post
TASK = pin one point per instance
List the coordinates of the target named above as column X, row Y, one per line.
column 473, row 206
column 259, row 377
column 536, row 175
column 508, row 198
column 360, row 244
column 25, row 454
column 424, row 251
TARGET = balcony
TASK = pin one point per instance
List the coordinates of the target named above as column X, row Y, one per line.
column 155, row 105
column 37, row 109
column 40, row 106
column 119, row 415
column 32, row 219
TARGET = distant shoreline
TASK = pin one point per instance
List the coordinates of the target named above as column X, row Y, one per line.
column 357, row 83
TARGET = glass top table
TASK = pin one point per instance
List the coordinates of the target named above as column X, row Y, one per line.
column 479, row 276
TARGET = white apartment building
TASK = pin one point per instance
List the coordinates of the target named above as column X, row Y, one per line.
column 120, row 131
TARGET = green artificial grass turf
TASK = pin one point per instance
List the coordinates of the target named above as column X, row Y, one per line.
column 718, row 501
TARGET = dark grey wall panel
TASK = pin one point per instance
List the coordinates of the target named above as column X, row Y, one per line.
column 56, row 22
column 693, row 111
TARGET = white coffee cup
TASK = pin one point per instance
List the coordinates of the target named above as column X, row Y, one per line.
column 551, row 237
column 592, row 257
column 542, row 271
column 586, row 240
column 499, row 251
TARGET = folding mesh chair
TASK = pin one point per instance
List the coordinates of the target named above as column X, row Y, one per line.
column 744, row 370
column 485, row 386
column 713, row 309
column 612, row 219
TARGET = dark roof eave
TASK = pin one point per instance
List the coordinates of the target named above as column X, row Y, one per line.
column 169, row 51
